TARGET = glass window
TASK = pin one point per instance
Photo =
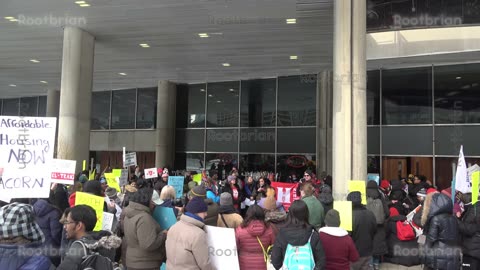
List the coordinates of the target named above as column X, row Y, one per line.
column 257, row 140
column 296, row 140
column 222, row 107
column 42, row 106
column 373, row 97
column 257, row 163
column 147, row 107
column 222, row 140
column 373, row 140
column 191, row 105
column 457, row 98
column 297, row 99
column 407, row 96
column 407, row 140
column 29, row 106
column 448, row 140
column 10, row 107
column 445, row 168
column 189, row 161
column 189, row 139
column 400, row 167
column 223, row 163
column 100, row 110
column 290, row 166
column 257, row 107
column 123, row 109
column 373, row 165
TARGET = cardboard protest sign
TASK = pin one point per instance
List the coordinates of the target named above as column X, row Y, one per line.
column 63, row 171
column 112, row 181
column 26, row 152
column 123, row 178
column 107, row 221
column 222, row 247
column 374, row 177
column 130, row 159
column 359, row 185
column 177, row 183
column 286, row 193
column 475, row 186
column 165, row 216
column 96, row 202
column 117, row 172
column 197, row 178
column 345, row 210
column 151, row 173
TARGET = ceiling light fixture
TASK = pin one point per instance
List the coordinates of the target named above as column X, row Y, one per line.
column 9, row 18
column 144, row 45
column 232, row 90
column 80, row 2
column 13, row 20
column 13, row 85
column 202, row 90
column 458, row 78
column 226, row 64
column 34, row 61
column 210, row 95
column 123, row 74
column 43, row 82
column 293, row 57
column 291, row 21
column 203, row 35
column 219, row 101
column 85, row 5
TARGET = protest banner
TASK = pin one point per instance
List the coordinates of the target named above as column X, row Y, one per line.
column 92, row 174
column 177, row 183
column 151, row 173
column 286, row 193
column 165, row 217
column 63, row 171
column 475, row 186
column 117, row 172
column 345, row 210
column 130, row 159
column 26, row 153
column 222, row 247
column 96, row 202
column 123, row 178
column 112, row 181
column 107, row 221
column 358, row 185
column 462, row 183
column 197, row 178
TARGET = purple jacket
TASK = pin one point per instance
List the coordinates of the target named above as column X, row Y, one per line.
column 48, row 218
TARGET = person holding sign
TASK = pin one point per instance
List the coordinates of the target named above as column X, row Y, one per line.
column 468, row 227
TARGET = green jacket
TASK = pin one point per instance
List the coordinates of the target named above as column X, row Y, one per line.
column 316, row 214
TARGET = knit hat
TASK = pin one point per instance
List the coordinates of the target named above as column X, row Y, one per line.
column 372, row 184
column 332, row 218
column 226, row 199
column 191, row 185
column 396, row 195
column 199, row 191
column 355, row 197
column 103, row 180
column 18, row 220
column 111, row 192
column 196, row 205
column 385, row 184
column 156, row 198
column 83, row 178
column 231, row 178
column 422, row 193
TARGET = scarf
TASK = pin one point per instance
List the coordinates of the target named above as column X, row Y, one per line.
column 194, row 216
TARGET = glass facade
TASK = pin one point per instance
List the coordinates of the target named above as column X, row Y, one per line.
column 297, row 100
column 123, row 109
column 25, row 106
column 146, row 108
column 100, row 115
column 223, row 104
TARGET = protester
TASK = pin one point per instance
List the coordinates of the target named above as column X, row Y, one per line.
column 339, row 247
column 326, row 198
column 270, row 199
column 233, row 188
column 315, row 209
column 228, row 216
column 274, row 214
column 378, row 206
column 59, row 196
column 48, row 217
column 469, row 226
column 402, row 244
column 212, row 213
column 168, row 196
column 210, row 191
column 249, row 189
column 262, row 187
column 186, row 243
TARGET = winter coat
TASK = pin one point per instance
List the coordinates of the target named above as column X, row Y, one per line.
column 212, row 196
column 277, row 219
column 297, row 236
column 169, row 203
column 240, row 197
column 316, row 214
column 340, row 249
column 59, row 197
column 441, row 230
column 10, row 258
column 212, row 213
column 379, row 240
column 413, row 190
column 250, row 253
column 232, row 218
column 469, row 227
column 363, row 230
column 404, row 253
column 48, row 218
column 187, row 245
column 144, row 237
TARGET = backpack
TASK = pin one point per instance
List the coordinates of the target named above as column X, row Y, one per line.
column 405, row 231
column 376, row 207
column 94, row 261
column 299, row 257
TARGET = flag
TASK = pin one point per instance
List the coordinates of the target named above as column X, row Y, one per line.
column 462, row 183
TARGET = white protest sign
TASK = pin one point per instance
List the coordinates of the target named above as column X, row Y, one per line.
column 123, row 179
column 26, row 153
column 222, row 247
column 107, row 221
column 63, row 171
column 151, row 173
column 130, row 159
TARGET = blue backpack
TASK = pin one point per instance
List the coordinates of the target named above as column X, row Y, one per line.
column 299, row 257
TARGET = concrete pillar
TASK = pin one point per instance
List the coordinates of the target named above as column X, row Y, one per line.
column 75, row 96
column 53, row 102
column 324, row 122
column 349, row 95
column 166, row 114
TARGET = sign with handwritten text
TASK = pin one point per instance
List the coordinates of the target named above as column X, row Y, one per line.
column 63, row 171
column 96, row 202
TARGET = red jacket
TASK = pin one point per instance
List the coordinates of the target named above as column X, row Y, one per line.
column 250, row 254
column 339, row 248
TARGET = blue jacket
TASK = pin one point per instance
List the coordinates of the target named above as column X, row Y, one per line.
column 11, row 257
column 48, row 218
column 211, row 195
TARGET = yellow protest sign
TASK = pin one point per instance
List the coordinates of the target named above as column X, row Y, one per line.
column 197, row 178
column 84, row 166
column 359, row 185
column 345, row 210
column 117, row 172
column 96, row 202
column 92, row 174
column 475, row 182
column 112, row 181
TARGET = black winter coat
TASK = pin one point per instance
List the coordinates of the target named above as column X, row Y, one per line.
column 404, row 253
column 364, row 229
column 442, row 249
column 297, row 236
column 469, row 227
column 379, row 240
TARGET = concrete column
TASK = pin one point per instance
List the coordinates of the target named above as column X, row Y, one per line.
column 166, row 114
column 53, row 102
column 324, row 122
column 75, row 96
column 349, row 95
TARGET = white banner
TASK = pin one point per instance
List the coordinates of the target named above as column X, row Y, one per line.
column 63, row 171
column 461, row 179
column 26, row 154
column 151, row 173
column 222, row 247
column 107, row 221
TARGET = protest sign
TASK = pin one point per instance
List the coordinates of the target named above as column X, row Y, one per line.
column 107, row 221
column 112, row 181
column 358, row 185
column 286, row 193
column 345, row 210
column 117, row 172
column 177, row 183
column 475, row 186
column 96, row 202
column 130, row 159
column 151, row 173
column 165, row 216
column 374, row 177
column 63, row 171
column 222, row 247
column 26, row 153
column 92, row 174
column 123, row 178
column 197, row 178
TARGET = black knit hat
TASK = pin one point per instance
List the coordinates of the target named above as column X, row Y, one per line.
column 332, row 218
column 355, row 197
column 196, row 205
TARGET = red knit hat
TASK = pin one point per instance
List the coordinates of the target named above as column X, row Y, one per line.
column 431, row 190
column 385, row 184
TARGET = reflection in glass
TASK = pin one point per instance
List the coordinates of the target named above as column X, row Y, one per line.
column 10, row 107
column 293, row 166
column 42, row 106
column 296, row 140
column 407, row 96
column 257, row 163
column 191, row 105
column 448, row 140
column 28, row 106
column 189, row 140
column 195, row 162
column 407, row 140
column 257, row 107
column 373, row 164
column 222, row 163
column 257, row 140
column 100, row 110
column 373, row 97
column 223, row 99
column 222, row 140
column 147, row 107
column 297, row 100
column 123, row 109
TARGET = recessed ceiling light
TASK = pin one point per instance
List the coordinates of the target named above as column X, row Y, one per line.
column 458, row 78
column 293, row 57
column 13, row 20
column 43, row 82
column 232, row 90
column 219, row 101
column 203, row 35
column 80, row 2
column 123, row 74
column 144, row 45
column 85, row 5
column 226, row 64
column 9, row 18
column 34, row 61
column 291, row 21
column 210, row 95
column 13, row 85
column 202, row 90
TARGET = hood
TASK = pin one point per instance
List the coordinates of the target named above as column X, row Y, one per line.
column 105, row 242
column 275, row 216
column 396, row 185
column 334, row 231
column 297, row 235
column 227, row 209
column 130, row 188
column 373, row 192
column 256, row 228
column 134, row 209
column 436, row 204
column 167, row 203
column 42, row 208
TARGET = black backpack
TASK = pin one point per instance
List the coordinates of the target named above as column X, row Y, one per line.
column 94, row 260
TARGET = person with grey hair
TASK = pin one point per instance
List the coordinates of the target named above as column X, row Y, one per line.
column 228, row 216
